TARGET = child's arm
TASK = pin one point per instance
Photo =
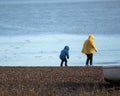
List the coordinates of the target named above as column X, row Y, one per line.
column 67, row 54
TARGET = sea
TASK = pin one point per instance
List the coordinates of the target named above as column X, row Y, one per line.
column 34, row 33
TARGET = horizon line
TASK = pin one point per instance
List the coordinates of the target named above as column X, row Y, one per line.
column 25, row 2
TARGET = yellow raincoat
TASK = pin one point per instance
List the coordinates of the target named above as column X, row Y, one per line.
column 89, row 46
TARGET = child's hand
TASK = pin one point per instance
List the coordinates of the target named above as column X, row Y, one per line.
column 96, row 50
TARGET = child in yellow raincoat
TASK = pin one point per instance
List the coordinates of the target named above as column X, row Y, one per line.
column 89, row 48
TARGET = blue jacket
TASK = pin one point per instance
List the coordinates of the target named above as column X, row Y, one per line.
column 64, row 53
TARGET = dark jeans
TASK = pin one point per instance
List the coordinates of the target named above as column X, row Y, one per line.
column 62, row 61
column 89, row 59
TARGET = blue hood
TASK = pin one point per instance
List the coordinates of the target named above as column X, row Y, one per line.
column 66, row 48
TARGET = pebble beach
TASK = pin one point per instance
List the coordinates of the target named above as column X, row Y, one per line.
column 58, row 80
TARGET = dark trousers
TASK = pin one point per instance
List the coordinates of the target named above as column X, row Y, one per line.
column 89, row 59
column 62, row 61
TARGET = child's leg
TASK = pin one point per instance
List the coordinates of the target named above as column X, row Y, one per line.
column 91, row 59
column 65, row 62
column 61, row 63
column 87, row 60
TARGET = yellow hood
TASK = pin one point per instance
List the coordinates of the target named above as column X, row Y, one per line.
column 91, row 37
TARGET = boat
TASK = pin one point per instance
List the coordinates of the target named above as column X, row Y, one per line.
column 112, row 74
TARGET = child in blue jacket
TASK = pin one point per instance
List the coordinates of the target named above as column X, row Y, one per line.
column 64, row 55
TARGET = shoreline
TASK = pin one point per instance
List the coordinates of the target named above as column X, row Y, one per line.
column 47, row 66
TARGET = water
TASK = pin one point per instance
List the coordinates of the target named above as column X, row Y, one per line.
column 33, row 34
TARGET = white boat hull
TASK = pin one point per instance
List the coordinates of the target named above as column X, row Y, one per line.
column 112, row 74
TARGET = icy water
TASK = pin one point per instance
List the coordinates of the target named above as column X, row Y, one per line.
column 33, row 34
